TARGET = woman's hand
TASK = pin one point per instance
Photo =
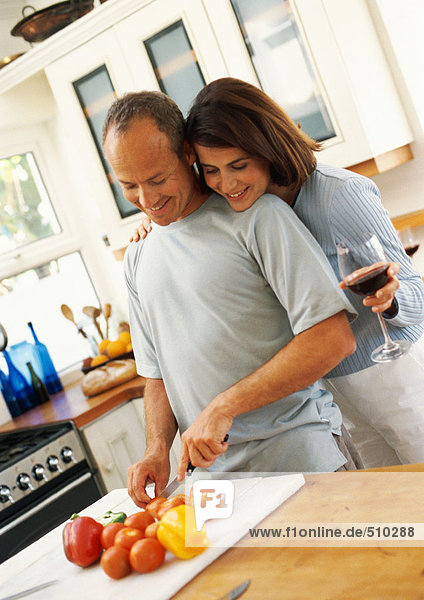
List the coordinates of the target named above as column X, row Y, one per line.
column 382, row 300
column 142, row 230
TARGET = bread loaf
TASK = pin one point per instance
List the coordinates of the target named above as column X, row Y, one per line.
column 108, row 376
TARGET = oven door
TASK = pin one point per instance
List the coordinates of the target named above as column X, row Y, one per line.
column 41, row 517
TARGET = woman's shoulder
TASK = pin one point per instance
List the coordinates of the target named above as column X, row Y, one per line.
column 337, row 176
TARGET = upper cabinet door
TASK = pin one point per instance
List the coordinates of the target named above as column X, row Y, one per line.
column 171, row 46
column 322, row 62
column 85, row 82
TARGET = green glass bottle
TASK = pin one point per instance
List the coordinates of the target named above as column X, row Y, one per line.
column 38, row 386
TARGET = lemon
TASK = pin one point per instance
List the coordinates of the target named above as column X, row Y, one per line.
column 115, row 348
column 98, row 360
column 103, row 345
column 124, row 337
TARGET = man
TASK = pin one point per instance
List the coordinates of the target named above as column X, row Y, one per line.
column 234, row 316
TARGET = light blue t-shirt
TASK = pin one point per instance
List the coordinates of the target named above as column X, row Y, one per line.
column 335, row 204
column 216, row 295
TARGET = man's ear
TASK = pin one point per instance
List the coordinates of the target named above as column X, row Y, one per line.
column 189, row 154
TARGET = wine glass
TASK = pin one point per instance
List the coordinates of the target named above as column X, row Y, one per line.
column 363, row 267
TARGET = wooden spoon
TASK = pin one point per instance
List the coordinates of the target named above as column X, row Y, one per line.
column 107, row 311
column 68, row 314
column 93, row 312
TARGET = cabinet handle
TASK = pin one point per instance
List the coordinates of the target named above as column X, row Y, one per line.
column 109, row 467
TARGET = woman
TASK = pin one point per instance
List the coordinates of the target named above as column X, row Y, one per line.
column 247, row 146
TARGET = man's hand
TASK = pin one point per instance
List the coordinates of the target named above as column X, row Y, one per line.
column 383, row 298
column 152, row 468
column 202, row 441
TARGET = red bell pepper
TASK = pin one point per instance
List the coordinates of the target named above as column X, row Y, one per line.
column 81, row 541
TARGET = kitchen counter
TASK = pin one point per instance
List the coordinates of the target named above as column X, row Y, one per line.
column 385, row 571
column 72, row 404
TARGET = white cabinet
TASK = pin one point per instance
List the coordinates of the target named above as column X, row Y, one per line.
column 118, row 440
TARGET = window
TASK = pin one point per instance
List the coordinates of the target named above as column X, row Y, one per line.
column 26, row 213
column 41, row 266
column 282, row 64
column 36, row 295
column 95, row 93
column 175, row 64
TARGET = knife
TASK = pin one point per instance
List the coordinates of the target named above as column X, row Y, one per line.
column 174, row 484
column 30, row 590
column 236, row 592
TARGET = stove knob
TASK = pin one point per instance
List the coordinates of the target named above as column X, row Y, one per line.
column 5, row 494
column 23, row 481
column 53, row 463
column 67, row 455
column 38, row 472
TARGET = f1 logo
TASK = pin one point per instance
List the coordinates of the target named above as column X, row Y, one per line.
column 213, row 499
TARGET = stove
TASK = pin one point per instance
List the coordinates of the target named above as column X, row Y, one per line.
column 44, row 470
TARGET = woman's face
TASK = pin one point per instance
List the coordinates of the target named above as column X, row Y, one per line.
column 234, row 174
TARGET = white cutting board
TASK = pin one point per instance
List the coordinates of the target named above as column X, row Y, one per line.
column 44, row 560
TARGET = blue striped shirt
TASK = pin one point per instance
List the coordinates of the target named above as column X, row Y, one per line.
column 335, row 204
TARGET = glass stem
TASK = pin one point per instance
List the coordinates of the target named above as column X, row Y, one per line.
column 388, row 342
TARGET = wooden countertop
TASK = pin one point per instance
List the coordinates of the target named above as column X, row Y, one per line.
column 382, row 572
column 72, row 404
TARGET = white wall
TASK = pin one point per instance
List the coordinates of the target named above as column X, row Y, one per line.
column 400, row 26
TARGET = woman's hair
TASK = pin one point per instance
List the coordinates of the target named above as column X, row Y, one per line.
column 230, row 112
column 147, row 104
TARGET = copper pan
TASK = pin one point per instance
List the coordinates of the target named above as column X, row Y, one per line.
column 41, row 24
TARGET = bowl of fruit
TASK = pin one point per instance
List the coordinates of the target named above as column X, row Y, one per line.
column 116, row 349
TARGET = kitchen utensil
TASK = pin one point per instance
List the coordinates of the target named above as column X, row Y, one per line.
column 107, row 311
column 174, row 484
column 93, row 312
column 236, row 592
column 41, row 24
column 68, row 314
column 31, row 590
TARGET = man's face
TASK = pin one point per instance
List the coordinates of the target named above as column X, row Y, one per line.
column 153, row 178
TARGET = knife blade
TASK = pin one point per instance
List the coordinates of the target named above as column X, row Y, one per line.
column 30, row 590
column 236, row 592
column 174, row 484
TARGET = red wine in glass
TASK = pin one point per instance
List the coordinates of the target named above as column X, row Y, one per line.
column 369, row 279
column 363, row 267
column 410, row 250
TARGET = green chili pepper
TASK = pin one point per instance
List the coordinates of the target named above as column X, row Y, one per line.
column 111, row 517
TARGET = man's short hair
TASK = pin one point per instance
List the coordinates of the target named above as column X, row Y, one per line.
column 147, row 104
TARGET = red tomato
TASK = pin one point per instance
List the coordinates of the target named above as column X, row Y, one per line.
column 115, row 562
column 127, row 536
column 170, row 503
column 146, row 555
column 152, row 530
column 139, row 520
column 154, row 504
column 108, row 534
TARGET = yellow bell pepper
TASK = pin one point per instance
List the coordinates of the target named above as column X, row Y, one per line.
column 178, row 526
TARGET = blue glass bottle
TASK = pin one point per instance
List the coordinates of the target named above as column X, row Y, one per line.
column 10, row 398
column 49, row 373
column 22, row 390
